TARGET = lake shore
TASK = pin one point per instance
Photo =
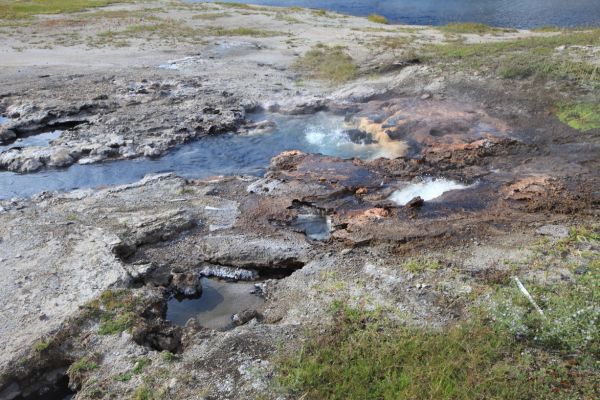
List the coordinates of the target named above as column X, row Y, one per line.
column 490, row 140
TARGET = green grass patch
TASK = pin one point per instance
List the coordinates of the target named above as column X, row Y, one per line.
column 521, row 58
column 327, row 63
column 581, row 116
column 366, row 356
column 42, row 345
column 10, row 9
column 471, row 27
column 505, row 350
column 547, row 28
column 116, row 310
column 378, row 19
column 241, row 31
column 418, row 265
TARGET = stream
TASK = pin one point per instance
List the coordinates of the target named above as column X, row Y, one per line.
column 225, row 154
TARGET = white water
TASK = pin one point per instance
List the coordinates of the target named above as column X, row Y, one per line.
column 427, row 189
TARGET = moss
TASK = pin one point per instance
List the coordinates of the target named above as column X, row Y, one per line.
column 378, row 19
column 327, row 63
column 581, row 116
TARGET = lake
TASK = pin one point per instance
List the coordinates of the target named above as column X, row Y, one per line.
column 504, row 13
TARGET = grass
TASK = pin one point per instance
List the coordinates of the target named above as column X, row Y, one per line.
column 471, row 27
column 535, row 57
column 378, row 19
column 571, row 306
column 79, row 371
column 366, row 356
column 41, row 345
column 327, row 63
column 417, row 265
column 581, row 116
column 504, row 350
column 26, row 8
column 116, row 310
column 242, row 31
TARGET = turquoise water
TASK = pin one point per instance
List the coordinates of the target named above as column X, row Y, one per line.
column 506, row 13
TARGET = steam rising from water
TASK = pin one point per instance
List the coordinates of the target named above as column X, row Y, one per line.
column 428, row 189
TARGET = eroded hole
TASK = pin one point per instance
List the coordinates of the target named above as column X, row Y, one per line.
column 53, row 385
column 219, row 302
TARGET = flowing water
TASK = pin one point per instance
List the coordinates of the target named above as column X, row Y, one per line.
column 427, row 189
column 227, row 154
column 42, row 139
column 505, row 13
column 218, row 302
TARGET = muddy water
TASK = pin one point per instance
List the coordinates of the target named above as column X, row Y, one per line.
column 219, row 301
column 227, row 154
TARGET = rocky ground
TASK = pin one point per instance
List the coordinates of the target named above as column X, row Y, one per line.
column 86, row 274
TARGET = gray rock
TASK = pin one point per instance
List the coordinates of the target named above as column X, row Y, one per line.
column 187, row 284
column 554, row 231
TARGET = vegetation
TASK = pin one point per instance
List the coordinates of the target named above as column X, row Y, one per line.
column 581, row 116
column 421, row 264
column 327, row 63
column 10, row 9
column 505, row 350
column 538, row 57
column 116, row 310
column 41, row 345
column 84, row 364
column 471, row 27
column 378, row 19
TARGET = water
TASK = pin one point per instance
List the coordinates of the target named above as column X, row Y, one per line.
column 42, row 139
column 317, row 227
column 227, row 154
column 428, row 189
column 218, row 302
column 505, row 13
column 3, row 119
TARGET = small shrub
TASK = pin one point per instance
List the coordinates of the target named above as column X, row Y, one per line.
column 378, row 19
